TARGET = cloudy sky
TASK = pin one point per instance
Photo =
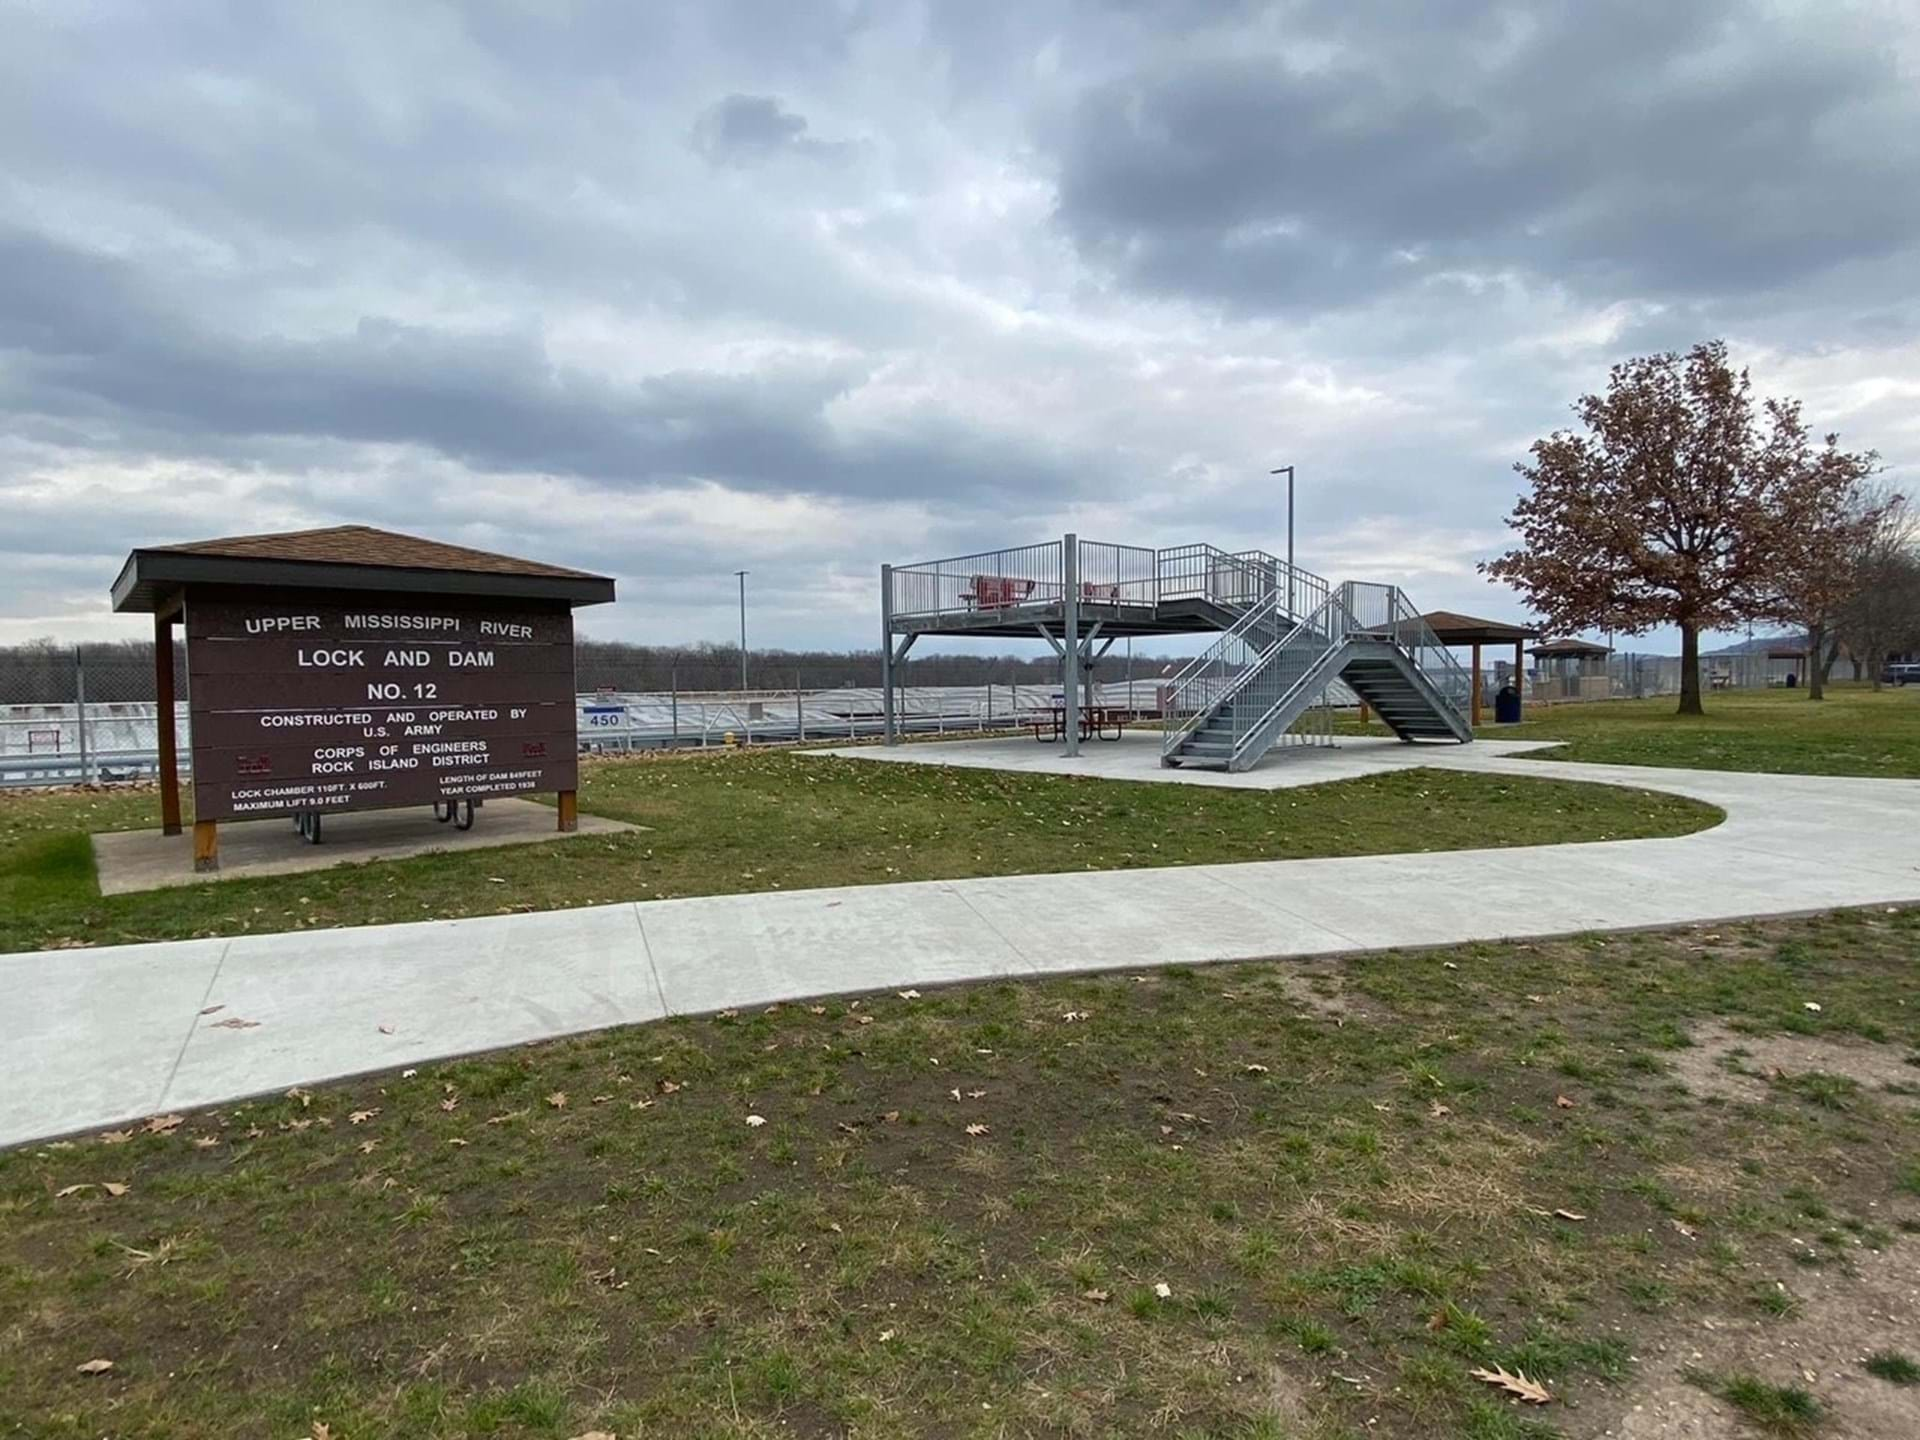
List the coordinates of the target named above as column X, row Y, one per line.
column 671, row 290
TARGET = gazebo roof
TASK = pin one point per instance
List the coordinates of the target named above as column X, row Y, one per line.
column 1455, row 629
column 1569, row 649
column 346, row 557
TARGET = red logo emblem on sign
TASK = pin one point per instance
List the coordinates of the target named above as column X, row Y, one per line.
column 253, row 765
column 533, row 750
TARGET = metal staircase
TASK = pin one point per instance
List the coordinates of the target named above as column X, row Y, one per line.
column 1233, row 703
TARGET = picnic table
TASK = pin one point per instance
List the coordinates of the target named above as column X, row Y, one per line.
column 1050, row 722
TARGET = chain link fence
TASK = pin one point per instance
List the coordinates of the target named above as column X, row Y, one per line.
column 87, row 715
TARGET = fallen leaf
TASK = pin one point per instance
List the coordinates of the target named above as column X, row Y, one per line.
column 205, row 1142
column 1684, row 1228
column 864, row 1019
column 1099, row 1297
column 305, row 1097
column 1163, row 1290
column 886, row 1335
column 1255, row 1069
column 909, row 994
column 72, row 1190
column 384, row 1029
column 234, row 1022
column 456, row 1140
column 360, row 1117
column 408, row 1074
column 1811, row 1005
column 367, row 1147
column 976, row 1128
column 496, row 879
column 667, row 1087
column 163, row 1124
column 322, row 1431
column 1516, row 1384
column 891, row 1116
column 816, row 1009
column 213, row 1010
column 450, row 1104
column 597, row 1435
column 1436, row 1110
column 756, row 1121
column 558, row 1099
column 116, row 1137
column 94, row 1367
column 1562, row 1102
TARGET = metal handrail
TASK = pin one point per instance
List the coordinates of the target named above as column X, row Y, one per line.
column 1198, row 688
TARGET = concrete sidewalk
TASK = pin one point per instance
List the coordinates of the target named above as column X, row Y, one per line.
column 91, row 1038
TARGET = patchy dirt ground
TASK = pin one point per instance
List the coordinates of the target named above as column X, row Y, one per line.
column 1843, row 1317
column 1730, row 1065
column 1268, row 1201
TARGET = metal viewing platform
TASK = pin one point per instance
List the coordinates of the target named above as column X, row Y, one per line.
column 1286, row 636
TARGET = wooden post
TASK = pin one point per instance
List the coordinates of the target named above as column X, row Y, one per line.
column 163, row 692
column 1519, row 677
column 569, row 812
column 1476, row 684
column 206, row 845
column 1363, row 712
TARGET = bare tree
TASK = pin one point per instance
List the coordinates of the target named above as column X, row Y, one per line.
column 1881, row 616
column 1676, row 507
column 1822, row 553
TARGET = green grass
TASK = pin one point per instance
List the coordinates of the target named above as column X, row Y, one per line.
column 1852, row 732
column 1893, row 1367
column 722, row 823
column 1345, row 1173
column 1773, row 1409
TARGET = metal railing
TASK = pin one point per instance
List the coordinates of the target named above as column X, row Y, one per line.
column 1285, row 670
column 989, row 581
column 1211, row 677
column 1384, row 612
column 1122, row 577
column 1032, row 577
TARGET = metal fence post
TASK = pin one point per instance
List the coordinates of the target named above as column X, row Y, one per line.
column 799, row 709
column 673, row 682
column 80, row 712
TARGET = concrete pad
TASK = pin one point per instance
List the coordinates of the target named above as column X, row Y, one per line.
column 129, row 860
column 711, row 954
column 89, row 1038
column 332, row 1003
column 1136, row 756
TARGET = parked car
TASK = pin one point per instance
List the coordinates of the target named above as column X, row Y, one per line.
column 1905, row 672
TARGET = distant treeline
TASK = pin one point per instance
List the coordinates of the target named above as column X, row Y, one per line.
column 41, row 672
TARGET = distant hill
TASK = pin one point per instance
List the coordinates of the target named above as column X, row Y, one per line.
column 1760, row 644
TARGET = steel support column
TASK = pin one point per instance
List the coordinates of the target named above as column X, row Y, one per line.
column 886, row 654
column 1070, row 673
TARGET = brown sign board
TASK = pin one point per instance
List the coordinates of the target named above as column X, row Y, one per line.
column 382, row 701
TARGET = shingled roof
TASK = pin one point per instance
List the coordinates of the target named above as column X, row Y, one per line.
column 1455, row 629
column 347, row 557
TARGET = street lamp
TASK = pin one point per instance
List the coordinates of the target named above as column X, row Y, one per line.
column 742, row 574
column 1287, row 470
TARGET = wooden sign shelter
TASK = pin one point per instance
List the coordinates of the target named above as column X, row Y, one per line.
column 351, row 669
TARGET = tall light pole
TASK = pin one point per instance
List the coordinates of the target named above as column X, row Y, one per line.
column 1287, row 470
column 743, row 627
